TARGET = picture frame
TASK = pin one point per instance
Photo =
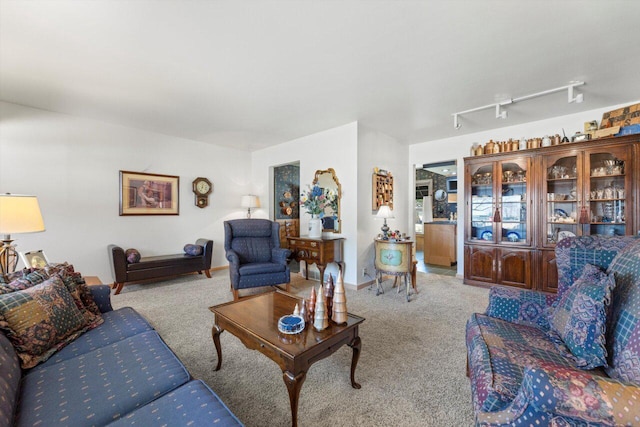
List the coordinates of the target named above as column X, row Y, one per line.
column 35, row 259
column 144, row 193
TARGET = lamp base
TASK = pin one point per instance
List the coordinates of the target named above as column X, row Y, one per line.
column 8, row 256
column 385, row 230
column 249, row 213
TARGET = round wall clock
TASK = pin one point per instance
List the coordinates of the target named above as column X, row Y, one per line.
column 202, row 187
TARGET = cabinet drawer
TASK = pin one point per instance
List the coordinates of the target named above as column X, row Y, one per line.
column 303, row 244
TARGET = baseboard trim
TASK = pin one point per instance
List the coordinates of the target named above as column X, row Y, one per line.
column 222, row 267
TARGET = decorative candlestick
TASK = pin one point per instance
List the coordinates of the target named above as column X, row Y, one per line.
column 339, row 302
column 328, row 295
column 320, row 321
column 303, row 311
column 311, row 308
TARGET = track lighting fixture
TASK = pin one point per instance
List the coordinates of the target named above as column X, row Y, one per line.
column 502, row 114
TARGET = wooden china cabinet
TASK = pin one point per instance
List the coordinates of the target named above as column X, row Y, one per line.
column 519, row 204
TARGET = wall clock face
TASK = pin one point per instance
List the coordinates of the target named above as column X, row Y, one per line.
column 202, row 187
column 440, row 195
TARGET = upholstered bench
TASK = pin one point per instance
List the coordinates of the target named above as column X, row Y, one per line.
column 155, row 267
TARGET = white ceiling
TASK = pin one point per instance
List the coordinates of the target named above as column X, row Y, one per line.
column 249, row 74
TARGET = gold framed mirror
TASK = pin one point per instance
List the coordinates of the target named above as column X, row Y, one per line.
column 327, row 180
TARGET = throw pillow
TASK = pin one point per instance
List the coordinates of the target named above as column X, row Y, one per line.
column 77, row 286
column 40, row 320
column 193, row 250
column 132, row 256
column 578, row 320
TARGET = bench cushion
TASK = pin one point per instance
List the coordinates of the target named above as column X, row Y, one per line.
column 193, row 404
column 498, row 352
column 163, row 261
column 100, row 386
column 118, row 325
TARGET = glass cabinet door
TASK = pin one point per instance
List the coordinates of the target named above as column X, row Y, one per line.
column 482, row 203
column 607, row 192
column 561, row 198
column 513, row 201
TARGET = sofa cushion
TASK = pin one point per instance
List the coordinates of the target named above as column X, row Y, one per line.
column 9, row 380
column 40, row 320
column 623, row 336
column 193, row 404
column 498, row 352
column 100, row 386
column 261, row 268
column 118, row 325
column 578, row 320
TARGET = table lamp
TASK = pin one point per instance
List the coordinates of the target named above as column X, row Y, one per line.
column 250, row 201
column 18, row 214
column 383, row 213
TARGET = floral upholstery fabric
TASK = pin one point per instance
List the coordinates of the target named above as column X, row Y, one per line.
column 551, row 391
column 100, row 386
column 578, row 322
column 498, row 352
column 40, row 320
column 520, row 306
column 193, row 404
column 623, row 339
column 559, row 396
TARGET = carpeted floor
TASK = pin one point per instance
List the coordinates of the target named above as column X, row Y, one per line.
column 412, row 365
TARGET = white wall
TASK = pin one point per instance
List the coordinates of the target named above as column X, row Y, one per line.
column 334, row 148
column 73, row 165
column 457, row 148
column 376, row 149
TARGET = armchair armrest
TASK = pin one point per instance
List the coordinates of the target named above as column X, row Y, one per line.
column 233, row 259
column 520, row 306
column 102, row 296
column 280, row 255
column 556, row 392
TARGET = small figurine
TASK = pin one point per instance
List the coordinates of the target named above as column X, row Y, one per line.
column 296, row 311
column 304, row 313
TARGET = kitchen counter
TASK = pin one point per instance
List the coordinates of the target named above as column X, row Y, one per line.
column 440, row 243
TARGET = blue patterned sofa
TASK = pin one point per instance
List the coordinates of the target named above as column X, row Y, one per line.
column 120, row 373
column 571, row 359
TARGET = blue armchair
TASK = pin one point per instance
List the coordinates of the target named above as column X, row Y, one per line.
column 255, row 258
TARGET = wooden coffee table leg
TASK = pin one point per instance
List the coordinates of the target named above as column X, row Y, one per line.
column 294, row 384
column 215, row 333
column 355, row 345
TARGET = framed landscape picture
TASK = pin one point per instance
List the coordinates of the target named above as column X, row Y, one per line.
column 148, row 194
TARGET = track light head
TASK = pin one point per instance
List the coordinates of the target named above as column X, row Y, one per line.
column 578, row 98
column 501, row 114
column 456, row 124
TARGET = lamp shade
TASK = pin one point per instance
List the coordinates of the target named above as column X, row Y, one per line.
column 384, row 212
column 20, row 214
column 250, row 201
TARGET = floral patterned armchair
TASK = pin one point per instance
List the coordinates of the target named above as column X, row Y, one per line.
column 521, row 376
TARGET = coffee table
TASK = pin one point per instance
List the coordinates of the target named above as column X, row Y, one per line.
column 254, row 320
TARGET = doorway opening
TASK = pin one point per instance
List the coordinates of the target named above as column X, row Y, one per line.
column 436, row 208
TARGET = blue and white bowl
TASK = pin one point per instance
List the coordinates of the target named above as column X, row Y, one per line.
column 290, row 324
